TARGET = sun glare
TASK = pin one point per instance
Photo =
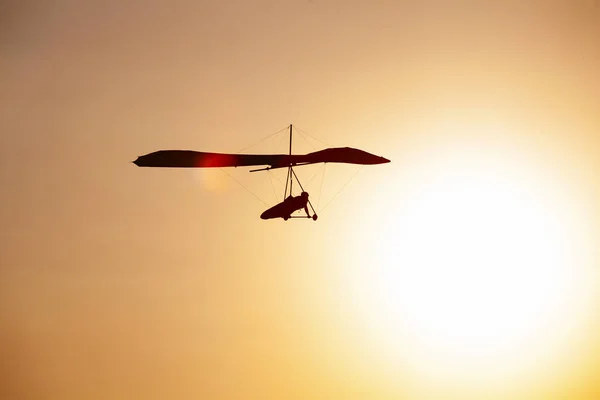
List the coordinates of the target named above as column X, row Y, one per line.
column 475, row 277
column 213, row 180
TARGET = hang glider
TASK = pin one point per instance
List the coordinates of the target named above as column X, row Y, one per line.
column 198, row 159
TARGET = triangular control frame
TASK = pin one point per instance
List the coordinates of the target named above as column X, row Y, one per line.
column 289, row 181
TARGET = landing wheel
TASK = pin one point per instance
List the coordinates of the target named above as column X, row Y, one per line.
column 314, row 217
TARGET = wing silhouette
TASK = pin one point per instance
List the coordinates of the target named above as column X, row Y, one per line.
column 197, row 159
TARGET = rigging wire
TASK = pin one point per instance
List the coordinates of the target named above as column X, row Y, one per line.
column 242, row 185
column 321, row 189
column 263, row 139
column 343, row 187
column 272, row 185
column 307, row 142
column 281, row 140
column 299, row 184
column 275, row 176
column 303, row 135
column 248, row 147
column 312, row 137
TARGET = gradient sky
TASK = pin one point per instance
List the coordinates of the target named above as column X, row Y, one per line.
column 119, row 282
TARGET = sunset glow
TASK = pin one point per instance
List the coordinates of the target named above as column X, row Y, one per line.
column 478, row 278
column 467, row 268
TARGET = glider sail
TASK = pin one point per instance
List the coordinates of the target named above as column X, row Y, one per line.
column 197, row 159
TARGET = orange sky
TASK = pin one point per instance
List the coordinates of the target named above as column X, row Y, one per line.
column 120, row 282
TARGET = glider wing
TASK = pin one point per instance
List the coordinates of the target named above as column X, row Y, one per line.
column 196, row 159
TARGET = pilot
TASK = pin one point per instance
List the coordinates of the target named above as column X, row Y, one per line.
column 298, row 202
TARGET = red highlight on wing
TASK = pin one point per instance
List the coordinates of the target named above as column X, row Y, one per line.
column 213, row 160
